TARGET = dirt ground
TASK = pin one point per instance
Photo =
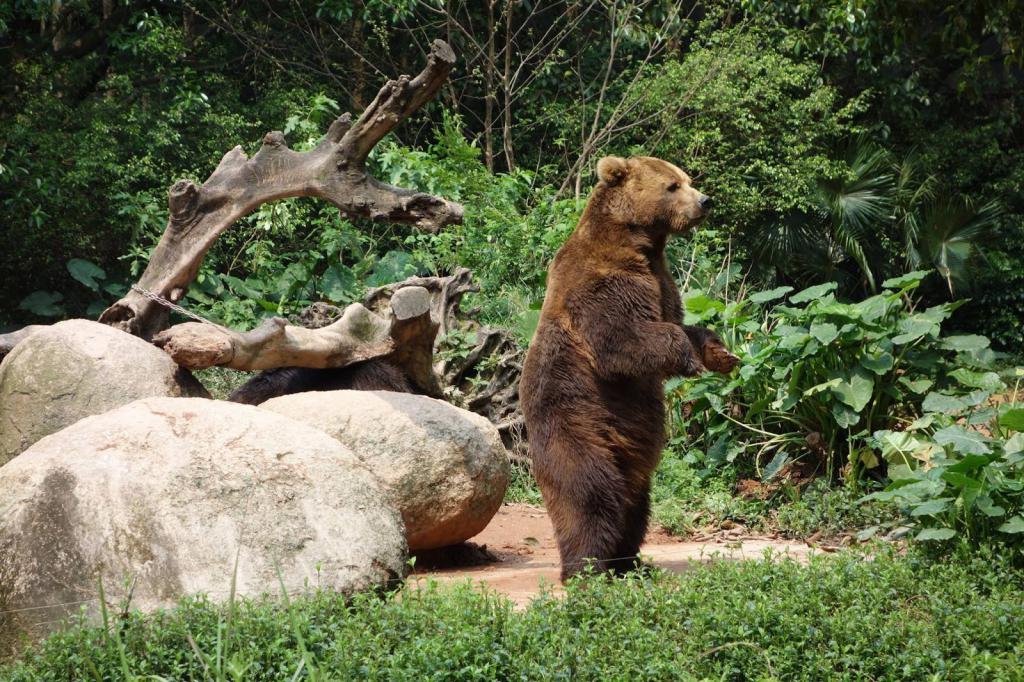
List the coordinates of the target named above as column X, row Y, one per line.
column 516, row 554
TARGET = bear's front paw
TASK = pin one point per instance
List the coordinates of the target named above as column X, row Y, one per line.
column 718, row 358
column 692, row 366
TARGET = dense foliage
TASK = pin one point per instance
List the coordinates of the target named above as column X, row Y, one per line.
column 847, row 617
column 844, row 142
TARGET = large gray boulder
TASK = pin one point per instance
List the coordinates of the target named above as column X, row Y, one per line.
column 76, row 369
column 444, row 468
column 164, row 493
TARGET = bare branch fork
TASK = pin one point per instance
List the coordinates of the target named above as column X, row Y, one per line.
column 335, row 170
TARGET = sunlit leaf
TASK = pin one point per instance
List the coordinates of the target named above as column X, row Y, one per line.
column 932, row 534
column 1012, row 419
column 908, row 281
column 932, row 507
column 962, row 440
column 771, row 295
column 1014, row 525
column 813, row 293
column 856, row 391
column 940, row 402
column 87, row 273
column 964, row 343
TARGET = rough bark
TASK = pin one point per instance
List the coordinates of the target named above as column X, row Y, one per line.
column 406, row 332
column 477, row 366
column 335, row 170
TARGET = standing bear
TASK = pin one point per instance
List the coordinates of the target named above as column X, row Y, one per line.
column 611, row 331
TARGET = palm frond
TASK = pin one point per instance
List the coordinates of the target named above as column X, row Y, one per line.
column 860, row 204
column 951, row 233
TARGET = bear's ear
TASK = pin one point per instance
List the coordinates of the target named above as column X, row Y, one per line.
column 611, row 169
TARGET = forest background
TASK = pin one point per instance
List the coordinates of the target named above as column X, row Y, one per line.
column 842, row 141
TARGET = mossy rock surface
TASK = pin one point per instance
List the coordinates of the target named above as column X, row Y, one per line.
column 76, row 369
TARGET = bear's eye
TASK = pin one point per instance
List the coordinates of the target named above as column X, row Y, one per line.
column 673, row 187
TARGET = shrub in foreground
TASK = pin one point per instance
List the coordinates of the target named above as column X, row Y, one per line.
column 840, row 617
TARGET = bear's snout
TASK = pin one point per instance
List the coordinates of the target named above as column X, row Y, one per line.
column 705, row 203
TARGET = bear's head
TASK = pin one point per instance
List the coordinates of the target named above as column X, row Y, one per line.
column 650, row 194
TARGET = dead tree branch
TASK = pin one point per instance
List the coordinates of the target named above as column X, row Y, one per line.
column 335, row 170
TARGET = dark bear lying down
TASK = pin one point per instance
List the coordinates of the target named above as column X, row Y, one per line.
column 371, row 375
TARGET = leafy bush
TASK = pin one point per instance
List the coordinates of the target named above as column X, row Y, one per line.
column 818, row 377
column 840, row 617
column 958, row 470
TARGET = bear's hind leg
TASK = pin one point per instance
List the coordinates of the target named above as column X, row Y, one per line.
column 585, row 499
column 634, row 529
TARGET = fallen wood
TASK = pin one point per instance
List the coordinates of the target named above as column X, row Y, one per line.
column 358, row 335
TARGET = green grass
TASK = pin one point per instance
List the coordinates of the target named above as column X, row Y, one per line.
column 522, row 486
column 840, row 617
column 221, row 381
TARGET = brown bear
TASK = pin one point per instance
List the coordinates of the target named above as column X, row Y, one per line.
column 611, row 331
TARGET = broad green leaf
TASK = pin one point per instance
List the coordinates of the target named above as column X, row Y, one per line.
column 968, row 463
column 772, row 295
column 795, row 340
column 988, row 507
column 1014, row 525
column 922, row 422
column 527, row 324
column 962, row 440
column 778, row 461
column 940, row 402
column 813, row 293
column 718, row 451
column 964, row 343
column 932, row 507
column 900, row 447
column 338, row 283
column 672, row 384
column 843, row 310
column 873, row 308
column 868, row 458
column 43, row 303
column 989, row 381
column 394, row 266
column 982, row 416
column 87, row 273
column 867, row 533
column 962, row 481
column 831, row 383
column 1012, row 419
column 242, row 287
column 908, row 281
column 879, row 364
column 941, row 312
column 930, row 534
column 914, row 328
column 857, row 390
column 844, row 416
column 824, row 332
column 1014, row 444
column 917, row 385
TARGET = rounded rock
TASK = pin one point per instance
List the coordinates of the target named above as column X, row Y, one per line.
column 161, row 497
column 444, row 468
column 76, row 369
